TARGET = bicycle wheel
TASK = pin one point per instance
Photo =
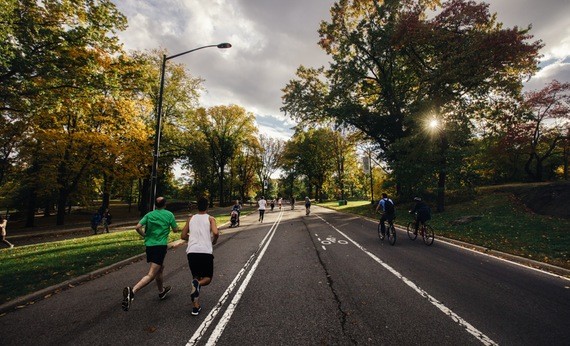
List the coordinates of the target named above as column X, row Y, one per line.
column 380, row 231
column 391, row 234
column 428, row 235
column 411, row 228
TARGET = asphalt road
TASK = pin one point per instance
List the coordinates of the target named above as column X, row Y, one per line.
column 306, row 280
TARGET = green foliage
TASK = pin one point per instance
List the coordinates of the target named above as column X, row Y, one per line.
column 220, row 134
column 308, row 154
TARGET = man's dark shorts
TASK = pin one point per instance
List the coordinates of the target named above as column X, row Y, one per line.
column 387, row 217
column 156, row 254
column 201, row 265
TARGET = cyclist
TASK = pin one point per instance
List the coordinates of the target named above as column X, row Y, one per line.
column 307, row 205
column 388, row 212
column 422, row 211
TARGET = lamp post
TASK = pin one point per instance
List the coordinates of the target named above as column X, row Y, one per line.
column 371, row 176
column 154, row 174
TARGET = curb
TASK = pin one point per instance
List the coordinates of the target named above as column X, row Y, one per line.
column 563, row 272
column 549, row 268
column 29, row 299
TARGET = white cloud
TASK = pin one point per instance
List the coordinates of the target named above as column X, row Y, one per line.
column 559, row 71
column 271, row 38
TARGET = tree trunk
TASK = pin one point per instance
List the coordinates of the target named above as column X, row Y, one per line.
column 144, row 194
column 442, row 175
column 31, row 208
column 539, row 170
column 106, row 192
column 527, row 168
column 565, row 163
column 61, row 202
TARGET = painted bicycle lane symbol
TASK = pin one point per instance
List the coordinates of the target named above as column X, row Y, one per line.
column 330, row 240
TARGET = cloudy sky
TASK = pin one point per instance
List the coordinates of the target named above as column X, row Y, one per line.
column 271, row 38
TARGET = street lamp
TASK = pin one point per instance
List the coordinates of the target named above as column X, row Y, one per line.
column 153, row 177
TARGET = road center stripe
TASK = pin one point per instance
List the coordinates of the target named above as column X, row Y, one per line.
column 212, row 315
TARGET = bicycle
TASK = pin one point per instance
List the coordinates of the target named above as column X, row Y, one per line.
column 390, row 232
column 425, row 230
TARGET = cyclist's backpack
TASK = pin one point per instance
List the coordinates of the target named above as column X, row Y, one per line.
column 389, row 207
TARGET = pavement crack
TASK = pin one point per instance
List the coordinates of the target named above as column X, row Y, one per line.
column 331, row 285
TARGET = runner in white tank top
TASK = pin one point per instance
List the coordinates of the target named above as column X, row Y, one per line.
column 201, row 233
column 200, row 240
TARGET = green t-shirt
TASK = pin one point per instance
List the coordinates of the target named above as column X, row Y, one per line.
column 157, row 225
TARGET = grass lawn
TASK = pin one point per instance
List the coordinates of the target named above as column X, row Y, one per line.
column 502, row 223
column 26, row 269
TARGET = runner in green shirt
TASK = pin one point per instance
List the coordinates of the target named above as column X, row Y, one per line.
column 157, row 225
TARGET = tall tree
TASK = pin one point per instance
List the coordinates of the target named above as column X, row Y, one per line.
column 269, row 154
column 393, row 65
column 545, row 124
column 308, row 154
column 225, row 129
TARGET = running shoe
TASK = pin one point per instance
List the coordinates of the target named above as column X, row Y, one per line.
column 196, row 311
column 128, row 297
column 195, row 289
column 164, row 292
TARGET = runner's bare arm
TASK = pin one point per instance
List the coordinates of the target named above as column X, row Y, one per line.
column 186, row 230
column 214, row 230
column 140, row 230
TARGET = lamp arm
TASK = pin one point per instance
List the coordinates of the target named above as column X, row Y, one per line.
column 189, row 51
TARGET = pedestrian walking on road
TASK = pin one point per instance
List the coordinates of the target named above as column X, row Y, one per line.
column 262, row 204
column 157, row 225
column 202, row 234
column 3, row 225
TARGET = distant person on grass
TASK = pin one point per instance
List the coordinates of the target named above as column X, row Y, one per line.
column 3, row 224
column 202, row 234
column 157, row 225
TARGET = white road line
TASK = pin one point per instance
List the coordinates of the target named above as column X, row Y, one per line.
column 225, row 319
column 506, row 260
column 212, row 315
column 485, row 340
column 497, row 257
column 324, row 248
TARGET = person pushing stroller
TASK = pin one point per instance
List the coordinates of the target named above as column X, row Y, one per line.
column 235, row 213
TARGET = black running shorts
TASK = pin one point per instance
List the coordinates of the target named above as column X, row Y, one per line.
column 201, row 265
column 156, row 254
